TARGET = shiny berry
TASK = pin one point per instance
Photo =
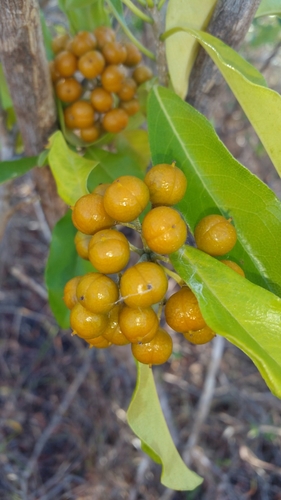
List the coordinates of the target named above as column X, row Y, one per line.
column 113, row 332
column 83, row 114
column 69, row 118
column 141, row 74
column 59, row 43
column 115, row 120
column 138, row 325
column 104, row 34
column 133, row 56
column 97, row 293
column 87, row 324
column 166, row 183
column 90, row 134
column 112, row 78
column 81, row 242
column 164, row 230
column 91, row 64
column 155, row 352
column 126, row 198
column 89, row 215
column 143, row 285
column 114, row 52
column 202, row 336
column 130, row 107
column 68, row 90
column 215, row 235
column 128, row 89
column 101, row 188
column 65, row 63
column 182, row 311
column 69, row 292
column 83, row 42
column 99, row 342
column 102, row 101
column 109, row 251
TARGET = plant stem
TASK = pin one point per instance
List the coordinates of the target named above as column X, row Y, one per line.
column 138, row 12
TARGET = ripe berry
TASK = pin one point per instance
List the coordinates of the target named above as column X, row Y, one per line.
column 87, row 324
column 81, row 242
column 143, row 285
column 141, row 74
column 59, row 43
column 90, row 134
column 202, row 336
column 69, row 293
column 83, row 42
column 182, row 311
column 114, row 52
column 83, row 114
column 215, row 235
column 97, row 293
column 126, row 198
column 68, row 90
column 99, row 342
column 65, row 63
column 113, row 332
column 55, row 75
column 164, row 230
column 69, row 118
column 91, row 64
column 112, row 78
column 102, row 101
column 130, row 107
column 133, row 56
column 166, row 183
column 155, row 352
column 109, row 251
column 128, row 89
column 115, row 120
column 234, row 267
column 101, row 188
column 138, row 325
column 89, row 215
column 104, row 34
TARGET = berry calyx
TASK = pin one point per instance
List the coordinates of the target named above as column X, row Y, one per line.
column 166, row 183
column 182, row 311
column 215, row 235
column 143, row 285
column 155, row 352
column 138, row 325
column 126, row 198
column 164, row 230
column 109, row 251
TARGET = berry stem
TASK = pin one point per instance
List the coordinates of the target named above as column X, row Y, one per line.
column 173, row 275
column 133, row 248
column 138, row 12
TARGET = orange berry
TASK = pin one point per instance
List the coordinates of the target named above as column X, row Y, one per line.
column 201, row 336
column 138, row 325
column 59, row 42
column 65, row 63
column 83, row 114
column 81, row 242
column 97, row 293
column 109, row 251
column 234, row 267
column 114, row 52
column 55, row 75
column 133, row 56
column 113, row 332
column 69, row 118
column 69, row 292
column 99, row 342
column 83, row 42
column 87, row 324
column 112, row 78
column 104, row 34
column 130, row 107
column 115, row 120
column 182, row 311
column 143, row 285
column 215, row 235
column 126, row 198
column 141, row 74
column 89, row 215
column 128, row 89
column 155, row 352
column 164, row 230
column 91, row 64
column 68, row 90
column 101, row 100
column 166, row 183
column 90, row 134
column 101, row 188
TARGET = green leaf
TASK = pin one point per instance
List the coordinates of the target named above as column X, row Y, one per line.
column 261, row 105
column 111, row 165
column 63, row 264
column 246, row 314
column 147, row 421
column 269, row 8
column 217, row 183
column 85, row 15
column 47, row 37
column 5, row 98
column 70, row 170
column 16, row 168
column 181, row 48
column 135, row 144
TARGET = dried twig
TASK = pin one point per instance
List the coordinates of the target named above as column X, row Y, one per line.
column 29, row 282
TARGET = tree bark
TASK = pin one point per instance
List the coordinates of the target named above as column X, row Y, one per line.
column 230, row 23
column 26, row 69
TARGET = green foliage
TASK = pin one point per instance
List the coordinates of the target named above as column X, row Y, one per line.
column 5, row 98
column 70, row 170
column 146, row 419
column 16, row 168
column 63, row 264
column 84, row 14
column 269, row 8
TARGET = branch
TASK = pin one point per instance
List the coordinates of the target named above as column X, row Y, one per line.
column 230, row 23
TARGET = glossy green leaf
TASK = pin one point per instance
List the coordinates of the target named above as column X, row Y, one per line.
column 63, row 264
column 217, row 183
column 135, row 143
column 269, row 8
column 111, row 165
column 147, row 421
column 70, row 170
column 15, row 168
column 115, row 7
column 246, row 314
column 181, row 48
column 261, row 104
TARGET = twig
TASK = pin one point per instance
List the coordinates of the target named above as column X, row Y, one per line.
column 63, row 407
column 206, row 397
column 26, row 280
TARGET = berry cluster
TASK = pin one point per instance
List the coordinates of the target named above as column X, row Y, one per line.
column 97, row 77
column 127, row 309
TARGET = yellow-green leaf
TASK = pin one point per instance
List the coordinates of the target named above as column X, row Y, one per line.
column 269, row 8
column 181, row 49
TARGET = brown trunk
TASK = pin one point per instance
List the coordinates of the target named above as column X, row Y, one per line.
column 230, row 22
column 27, row 73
